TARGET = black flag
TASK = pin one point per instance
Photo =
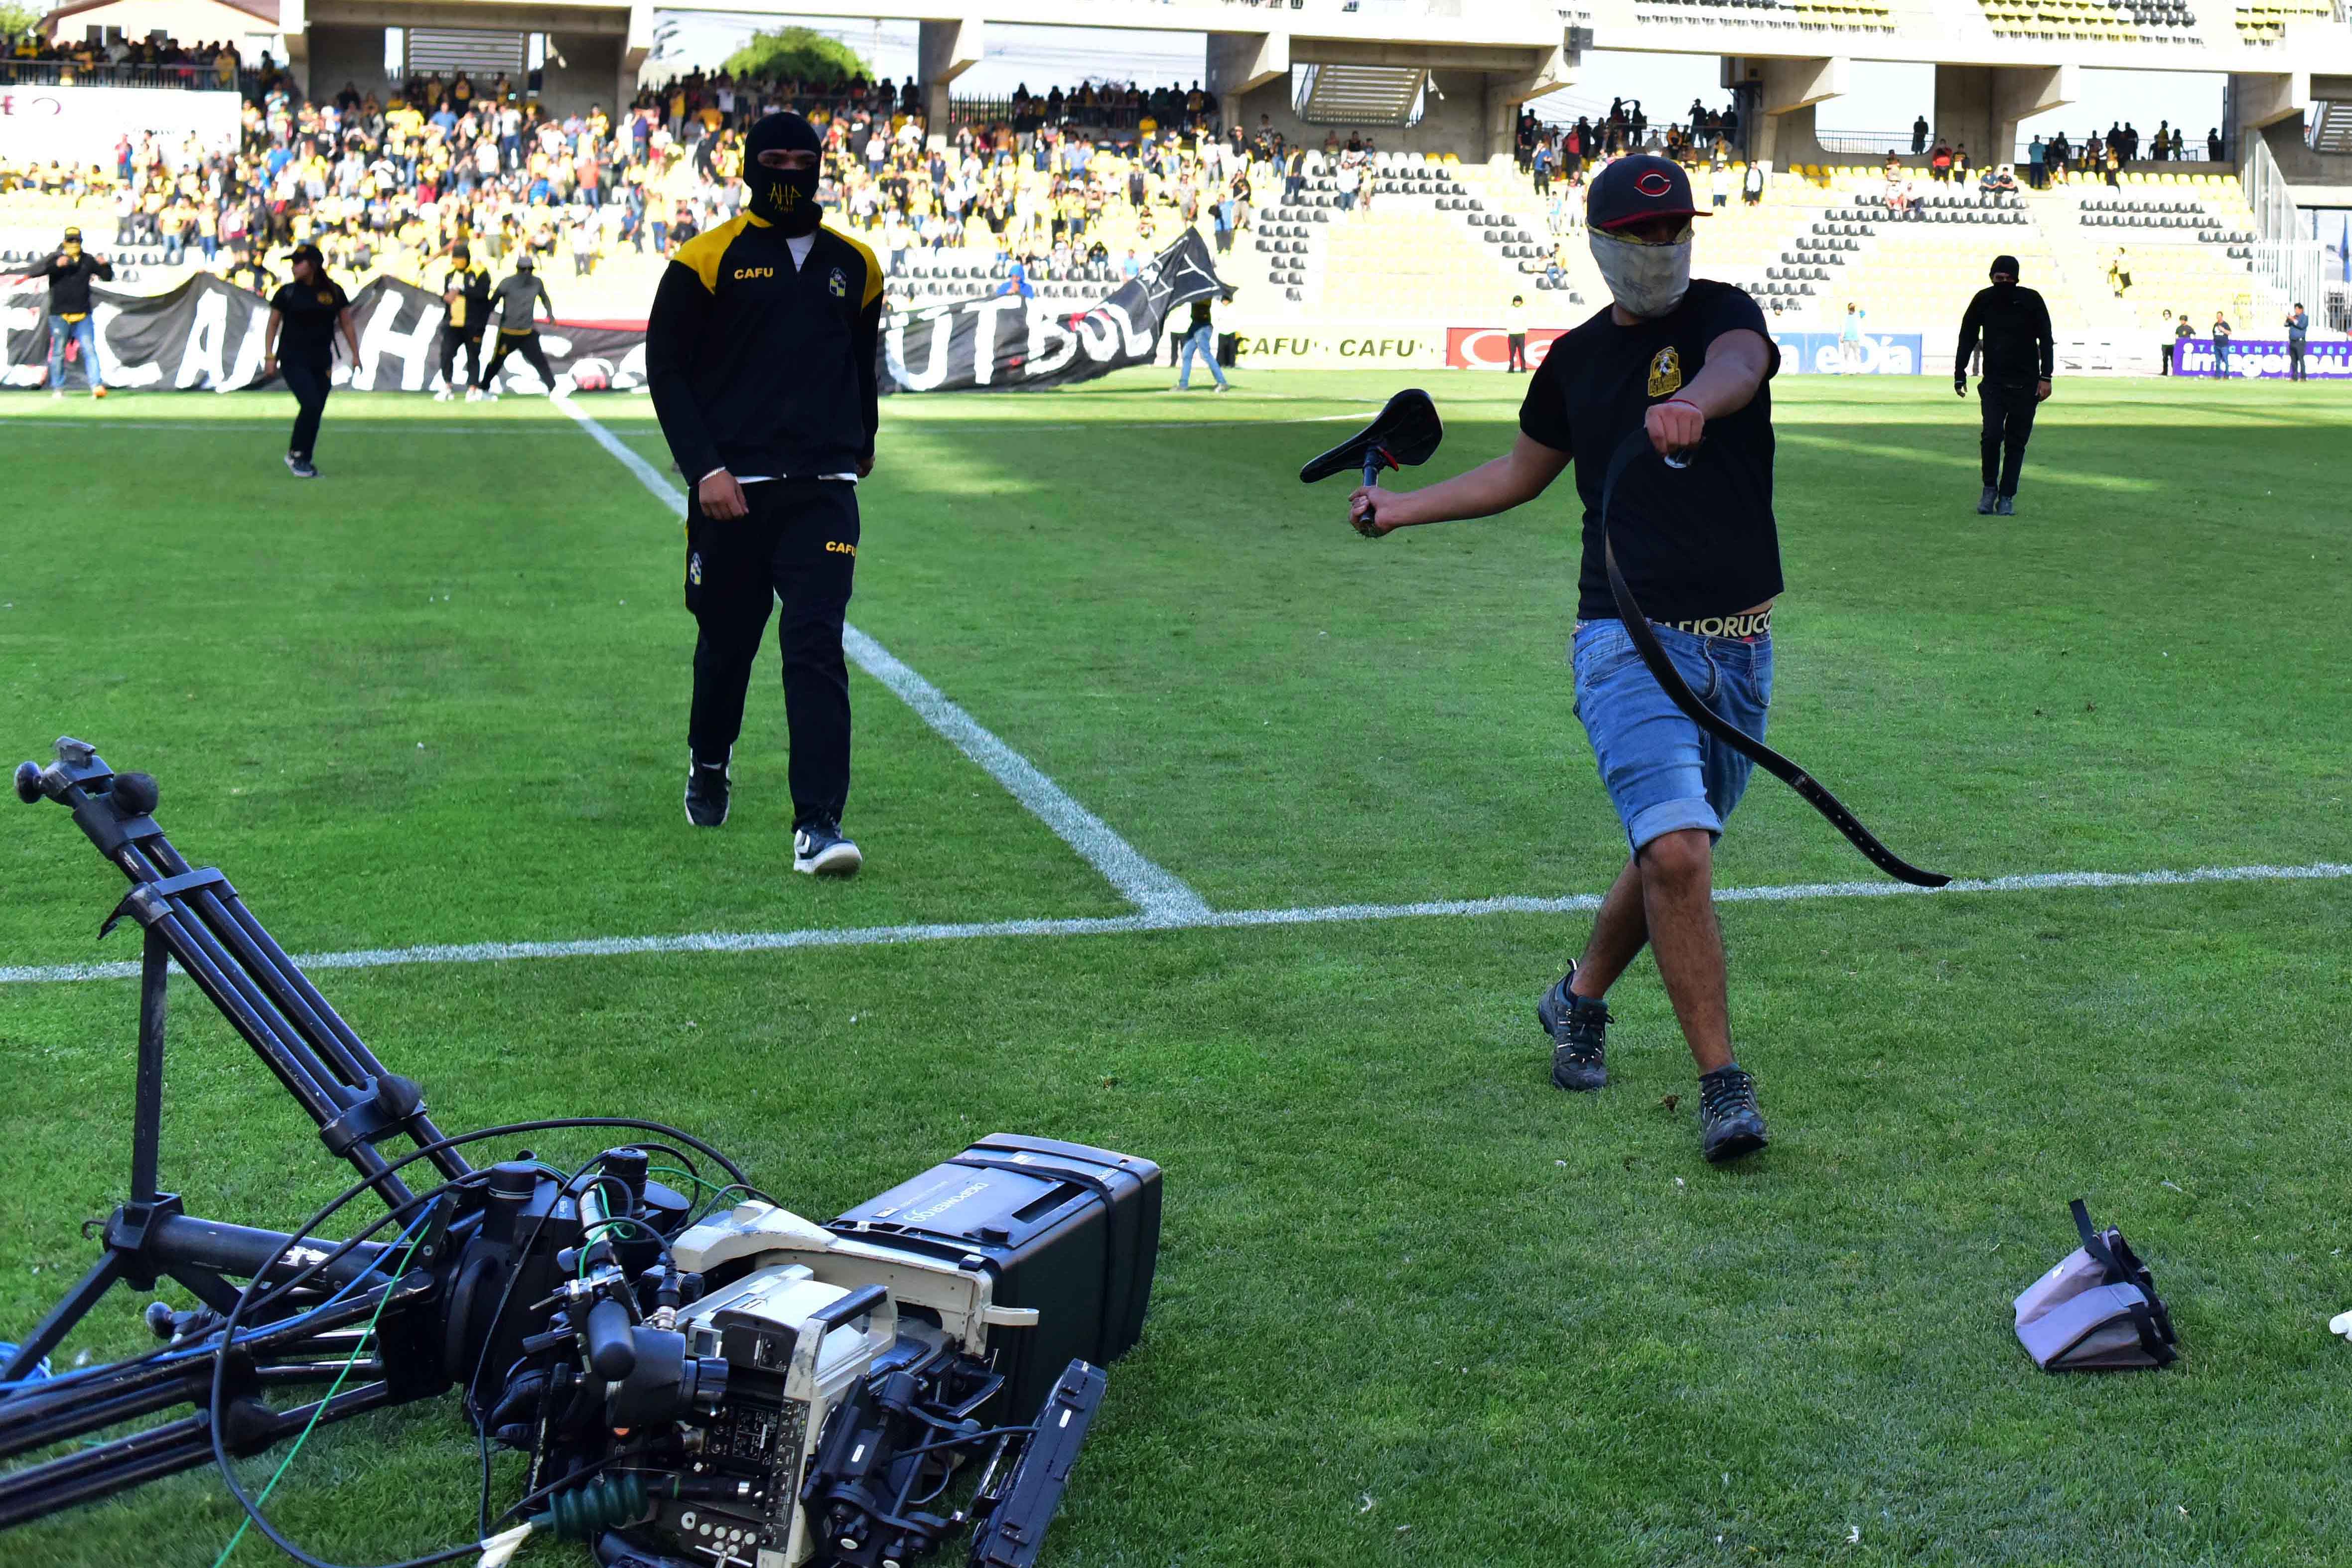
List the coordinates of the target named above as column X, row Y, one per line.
column 1004, row 341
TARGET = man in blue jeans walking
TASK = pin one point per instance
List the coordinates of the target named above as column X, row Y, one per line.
column 69, row 269
column 1201, row 338
column 1684, row 362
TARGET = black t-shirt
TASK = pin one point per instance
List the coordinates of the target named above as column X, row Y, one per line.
column 307, row 334
column 1693, row 543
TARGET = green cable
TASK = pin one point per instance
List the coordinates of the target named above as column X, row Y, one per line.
column 590, row 1234
column 334, row 1388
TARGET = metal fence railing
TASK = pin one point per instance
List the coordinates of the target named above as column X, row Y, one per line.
column 193, row 76
column 2307, row 270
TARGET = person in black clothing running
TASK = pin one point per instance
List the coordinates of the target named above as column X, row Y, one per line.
column 517, row 302
column 2019, row 356
column 68, row 271
column 303, row 319
column 760, row 355
column 466, row 296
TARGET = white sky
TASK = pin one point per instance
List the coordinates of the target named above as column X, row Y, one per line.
column 1883, row 97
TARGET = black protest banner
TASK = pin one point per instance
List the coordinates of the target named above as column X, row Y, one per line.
column 209, row 335
column 1008, row 342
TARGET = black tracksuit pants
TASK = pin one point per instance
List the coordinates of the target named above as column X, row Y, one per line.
column 452, row 339
column 309, row 384
column 2008, row 426
column 798, row 545
column 525, row 344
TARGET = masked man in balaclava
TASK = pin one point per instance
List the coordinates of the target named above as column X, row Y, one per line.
column 2019, row 355
column 760, row 355
column 1686, row 361
column 69, row 272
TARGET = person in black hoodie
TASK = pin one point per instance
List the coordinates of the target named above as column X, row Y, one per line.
column 69, row 270
column 2019, row 356
column 760, row 355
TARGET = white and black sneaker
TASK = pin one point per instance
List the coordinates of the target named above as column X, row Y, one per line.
column 300, row 467
column 823, row 851
column 707, row 790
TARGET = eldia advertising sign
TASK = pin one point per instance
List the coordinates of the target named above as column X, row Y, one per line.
column 1872, row 353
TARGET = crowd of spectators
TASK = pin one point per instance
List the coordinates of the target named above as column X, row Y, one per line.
column 2059, row 160
column 146, row 62
column 388, row 179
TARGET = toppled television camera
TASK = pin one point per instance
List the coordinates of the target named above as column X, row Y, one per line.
column 699, row 1380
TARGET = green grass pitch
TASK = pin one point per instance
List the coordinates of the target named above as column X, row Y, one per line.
column 1414, row 1305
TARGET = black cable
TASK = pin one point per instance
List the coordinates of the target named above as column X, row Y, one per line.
column 217, row 1399
column 491, row 1335
column 967, row 1438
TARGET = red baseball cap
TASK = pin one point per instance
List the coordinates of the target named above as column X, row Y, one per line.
column 1639, row 187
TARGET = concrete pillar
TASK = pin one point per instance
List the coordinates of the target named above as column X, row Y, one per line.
column 1787, row 93
column 1508, row 95
column 944, row 51
column 294, row 37
column 1241, row 63
column 1980, row 107
column 2259, row 100
column 636, row 47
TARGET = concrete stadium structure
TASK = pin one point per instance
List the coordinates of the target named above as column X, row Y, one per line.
column 1997, row 61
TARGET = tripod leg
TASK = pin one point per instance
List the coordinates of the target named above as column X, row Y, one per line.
column 64, row 1316
column 147, row 1113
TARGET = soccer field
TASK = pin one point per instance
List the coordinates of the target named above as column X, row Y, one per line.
column 1334, row 819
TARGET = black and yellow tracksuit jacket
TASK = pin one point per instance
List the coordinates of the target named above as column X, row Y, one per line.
column 470, row 312
column 759, row 367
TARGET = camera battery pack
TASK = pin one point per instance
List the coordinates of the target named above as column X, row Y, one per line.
column 1068, row 1231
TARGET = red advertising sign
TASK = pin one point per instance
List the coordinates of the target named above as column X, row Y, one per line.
column 1489, row 348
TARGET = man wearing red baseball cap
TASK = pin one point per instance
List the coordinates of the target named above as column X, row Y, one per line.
column 1686, row 361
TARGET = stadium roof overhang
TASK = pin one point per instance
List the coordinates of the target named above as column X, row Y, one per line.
column 519, row 15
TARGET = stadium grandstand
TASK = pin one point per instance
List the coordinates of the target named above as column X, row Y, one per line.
column 1363, row 175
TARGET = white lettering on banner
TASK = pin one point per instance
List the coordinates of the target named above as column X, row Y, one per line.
column 1046, row 329
column 1108, row 327
column 984, row 317
column 119, row 371
column 894, row 346
column 249, row 353
column 382, row 336
column 200, row 356
column 630, row 374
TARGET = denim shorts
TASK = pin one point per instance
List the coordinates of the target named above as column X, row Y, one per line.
column 1663, row 773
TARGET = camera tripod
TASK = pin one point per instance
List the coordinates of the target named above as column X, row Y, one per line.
column 305, row 1324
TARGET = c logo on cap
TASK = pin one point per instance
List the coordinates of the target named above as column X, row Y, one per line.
column 1654, row 184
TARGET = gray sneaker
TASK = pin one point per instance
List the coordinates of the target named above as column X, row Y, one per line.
column 1985, row 502
column 1729, row 1123
column 2005, row 507
column 1578, row 1027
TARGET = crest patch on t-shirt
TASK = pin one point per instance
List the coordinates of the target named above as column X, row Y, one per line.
column 1665, row 373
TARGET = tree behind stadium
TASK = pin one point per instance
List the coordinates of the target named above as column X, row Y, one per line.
column 801, row 54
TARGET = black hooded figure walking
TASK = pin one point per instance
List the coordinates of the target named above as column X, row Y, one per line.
column 2019, row 356
column 760, row 355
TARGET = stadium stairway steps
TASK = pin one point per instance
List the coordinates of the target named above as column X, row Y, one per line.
column 2333, row 134
column 2187, row 248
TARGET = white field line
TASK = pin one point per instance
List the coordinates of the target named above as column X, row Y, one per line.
column 98, row 424
column 1205, row 920
column 1150, row 888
